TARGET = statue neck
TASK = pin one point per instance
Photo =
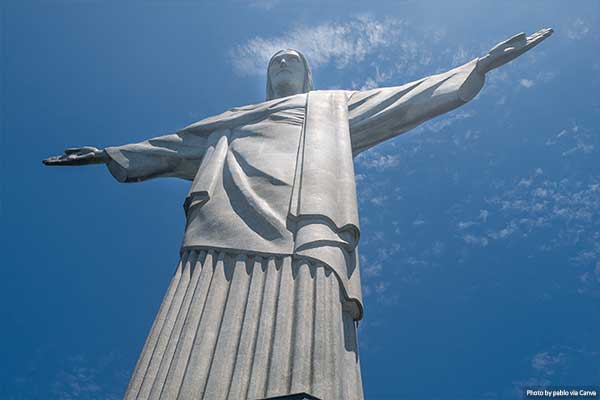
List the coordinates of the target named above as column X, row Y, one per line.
column 286, row 91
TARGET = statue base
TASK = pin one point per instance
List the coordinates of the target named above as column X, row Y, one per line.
column 295, row 396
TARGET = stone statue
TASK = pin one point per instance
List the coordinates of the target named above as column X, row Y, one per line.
column 266, row 298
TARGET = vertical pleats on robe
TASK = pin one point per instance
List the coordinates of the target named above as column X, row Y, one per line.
column 233, row 326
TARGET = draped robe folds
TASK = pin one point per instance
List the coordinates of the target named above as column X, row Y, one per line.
column 276, row 179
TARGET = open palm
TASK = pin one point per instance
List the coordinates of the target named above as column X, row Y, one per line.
column 512, row 48
column 78, row 156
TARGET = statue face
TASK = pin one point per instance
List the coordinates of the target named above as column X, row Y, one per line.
column 287, row 73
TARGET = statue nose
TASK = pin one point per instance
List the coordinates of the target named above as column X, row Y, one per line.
column 283, row 63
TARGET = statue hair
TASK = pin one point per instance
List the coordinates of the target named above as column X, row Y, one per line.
column 307, row 86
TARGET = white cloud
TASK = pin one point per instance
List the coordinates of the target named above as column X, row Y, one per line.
column 561, row 363
column 476, row 240
column 444, row 122
column 561, row 133
column 562, row 210
column 526, row 83
column 378, row 200
column 461, row 56
column 438, row 248
column 546, row 362
column 80, row 379
column 546, row 76
column 505, row 232
column 575, row 140
column 372, row 159
column 579, row 148
column 578, row 29
column 372, row 270
column 342, row 43
column 525, row 182
column 381, row 287
column 483, row 215
column 264, row 4
column 465, row 225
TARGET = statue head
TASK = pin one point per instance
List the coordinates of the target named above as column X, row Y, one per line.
column 288, row 74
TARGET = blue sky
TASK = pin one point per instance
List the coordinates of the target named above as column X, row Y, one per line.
column 481, row 228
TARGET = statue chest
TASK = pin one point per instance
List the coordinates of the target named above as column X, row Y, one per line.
column 240, row 197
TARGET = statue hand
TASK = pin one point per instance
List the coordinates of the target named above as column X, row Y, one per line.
column 78, row 156
column 510, row 49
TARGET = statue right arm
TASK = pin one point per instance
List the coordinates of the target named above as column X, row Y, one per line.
column 176, row 155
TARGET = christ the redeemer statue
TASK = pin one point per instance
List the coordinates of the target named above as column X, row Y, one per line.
column 266, row 298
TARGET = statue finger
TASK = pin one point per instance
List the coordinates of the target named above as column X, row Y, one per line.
column 540, row 35
column 72, row 150
column 68, row 161
column 87, row 149
column 517, row 39
column 73, row 159
column 545, row 32
column 56, row 160
column 537, row 38
column 80, row 150
column 534, row 37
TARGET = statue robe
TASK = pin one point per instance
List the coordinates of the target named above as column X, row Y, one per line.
column 273, row 194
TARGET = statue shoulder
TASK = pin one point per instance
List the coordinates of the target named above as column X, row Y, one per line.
column 340, row 93
column 237, row 116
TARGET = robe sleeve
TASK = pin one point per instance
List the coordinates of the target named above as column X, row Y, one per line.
column 175, row 155
column 380, row 114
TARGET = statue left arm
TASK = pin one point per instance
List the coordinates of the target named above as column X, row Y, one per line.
column 380, row 114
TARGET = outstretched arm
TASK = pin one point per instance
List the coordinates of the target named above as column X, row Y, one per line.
column 379, row 114
column 175, row 155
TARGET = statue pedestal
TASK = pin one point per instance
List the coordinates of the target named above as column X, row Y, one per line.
column 295, row 396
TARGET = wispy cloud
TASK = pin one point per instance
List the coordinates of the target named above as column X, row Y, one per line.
column 373, row 159
column 562, row 210
column 546, row 362
column 378, row 200
column 574, row 140
column 376, row 80
column 462, row 55
column 483, row 215
column 440, row 124
column 341, row 43
column 578, row 29
column 481, row 241
column 82, row 379
column 526, row 83
column 264, row 4
column 372, row 270
column 559, row 363
column 462, row 225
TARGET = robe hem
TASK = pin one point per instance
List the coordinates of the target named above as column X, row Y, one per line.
column 356, row 308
